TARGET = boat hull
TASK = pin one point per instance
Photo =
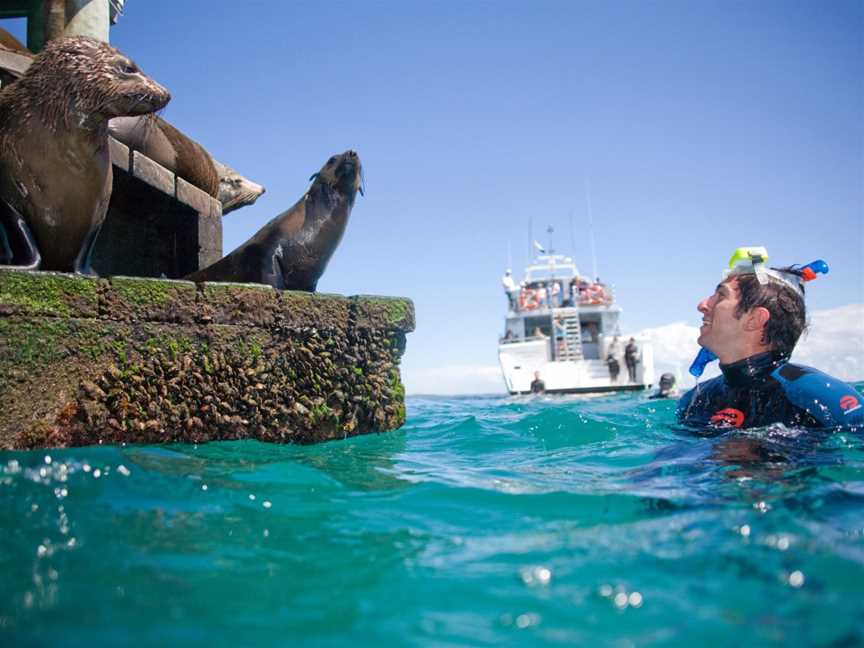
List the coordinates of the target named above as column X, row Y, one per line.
column 589, row 390
column 520, row 361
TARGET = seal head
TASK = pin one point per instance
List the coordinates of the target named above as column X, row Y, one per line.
column 235, row 191
column 55, row 167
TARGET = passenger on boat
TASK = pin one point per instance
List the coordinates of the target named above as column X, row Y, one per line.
column 614, row 366
column 560, row 332
column 509, row 288
column 631, row 359
column 537, row 385
column 542, row 295
column 555, row 294
column 751, row 323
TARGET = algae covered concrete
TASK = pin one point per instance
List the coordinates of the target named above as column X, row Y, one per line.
column 133, row 360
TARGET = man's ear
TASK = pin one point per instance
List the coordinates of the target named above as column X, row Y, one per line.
column 756, row 318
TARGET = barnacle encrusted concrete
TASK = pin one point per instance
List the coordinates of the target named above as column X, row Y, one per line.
column 131, row 360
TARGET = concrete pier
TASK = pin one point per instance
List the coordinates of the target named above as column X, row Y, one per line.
column 132, row 360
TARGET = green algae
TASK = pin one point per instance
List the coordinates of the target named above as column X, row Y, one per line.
column 49, row 294
column 143, row 291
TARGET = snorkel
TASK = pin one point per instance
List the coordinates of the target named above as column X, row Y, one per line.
column 754, row 260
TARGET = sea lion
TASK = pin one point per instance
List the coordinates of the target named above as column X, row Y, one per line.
column 165, row 145
column 292, row 250
column 177, row 152
column 55, row 168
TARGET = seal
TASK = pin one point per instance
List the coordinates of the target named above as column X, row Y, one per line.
column 179, row 153
column 167, row 146
column 291, row 252
column 55, row 168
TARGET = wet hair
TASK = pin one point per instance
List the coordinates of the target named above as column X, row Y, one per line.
column 788, row 314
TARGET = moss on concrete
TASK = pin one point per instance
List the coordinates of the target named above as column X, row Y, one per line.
column 144, row 291
column 48, row 293
column 150, row 361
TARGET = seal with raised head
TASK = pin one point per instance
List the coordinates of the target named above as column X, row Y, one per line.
column 292, row 250
column 179, row 153
column 55, row 168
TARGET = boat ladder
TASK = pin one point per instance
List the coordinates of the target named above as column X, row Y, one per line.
column 572, row 349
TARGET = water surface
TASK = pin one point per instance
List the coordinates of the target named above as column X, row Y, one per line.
column 484, row 521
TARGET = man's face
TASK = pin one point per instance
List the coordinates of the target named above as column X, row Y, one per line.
column 721, row 331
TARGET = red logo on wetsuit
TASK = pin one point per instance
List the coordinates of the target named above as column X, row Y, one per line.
column 849, row 404
column 729, row 417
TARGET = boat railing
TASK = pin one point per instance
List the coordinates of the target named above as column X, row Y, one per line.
column 517, row 339
column 537, row 299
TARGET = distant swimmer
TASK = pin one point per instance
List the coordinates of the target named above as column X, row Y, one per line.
column 537, row 385
column 667, row 387
column 751, row 324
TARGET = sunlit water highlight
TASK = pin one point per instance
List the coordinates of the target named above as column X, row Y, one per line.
column 484, row 521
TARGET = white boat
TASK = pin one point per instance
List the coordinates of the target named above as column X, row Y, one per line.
column 565, row 328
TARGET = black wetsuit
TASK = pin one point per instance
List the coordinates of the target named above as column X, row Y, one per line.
column 767, row 388
column 538, row 386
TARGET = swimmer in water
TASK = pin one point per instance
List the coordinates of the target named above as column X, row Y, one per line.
column 751, row 324
column 667, row 387
column 537, row 385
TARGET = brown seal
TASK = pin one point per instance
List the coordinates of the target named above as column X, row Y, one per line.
column 165, row 145
column 292, row 250
column 55, row 168
column 179, row 153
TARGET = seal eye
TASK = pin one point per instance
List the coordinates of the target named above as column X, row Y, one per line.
column 128, row 67
column 331, row 160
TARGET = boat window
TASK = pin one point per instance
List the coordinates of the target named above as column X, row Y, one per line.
column 533, row 324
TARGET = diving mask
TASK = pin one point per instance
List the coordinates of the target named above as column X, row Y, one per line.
column 754, row 260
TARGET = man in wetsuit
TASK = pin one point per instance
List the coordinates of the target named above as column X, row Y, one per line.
column 537, row 385
column 751, row 324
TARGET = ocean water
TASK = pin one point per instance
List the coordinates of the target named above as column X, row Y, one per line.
column 485, row 521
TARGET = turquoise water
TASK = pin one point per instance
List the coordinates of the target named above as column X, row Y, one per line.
column 484, row 521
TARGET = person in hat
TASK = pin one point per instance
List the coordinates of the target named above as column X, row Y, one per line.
column 751, row 324
column 509, row 288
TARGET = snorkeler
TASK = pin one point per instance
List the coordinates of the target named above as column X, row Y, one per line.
column 667, row 387
column 751, row 324
column 537, row 385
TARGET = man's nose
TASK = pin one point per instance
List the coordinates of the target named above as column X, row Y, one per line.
column 703, row 305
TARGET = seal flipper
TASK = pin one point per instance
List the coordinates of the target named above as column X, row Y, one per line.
column 82, row 262
column 20, row 251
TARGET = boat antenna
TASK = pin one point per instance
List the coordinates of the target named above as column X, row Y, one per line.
column 550, row 230
column 530, row 238
column 591, row 228
column 572, row 237
column 509, row 257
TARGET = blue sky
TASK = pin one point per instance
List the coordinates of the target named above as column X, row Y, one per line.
column 700, row 126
